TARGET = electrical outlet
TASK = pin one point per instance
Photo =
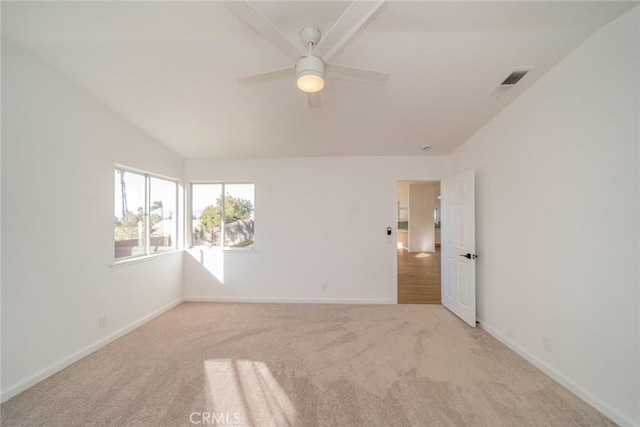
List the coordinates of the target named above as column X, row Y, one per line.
column 103, row 321
column 546, row 343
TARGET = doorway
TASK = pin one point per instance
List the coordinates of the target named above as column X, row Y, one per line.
column 418, row 242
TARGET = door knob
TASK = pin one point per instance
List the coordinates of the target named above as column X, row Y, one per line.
column 469, row 256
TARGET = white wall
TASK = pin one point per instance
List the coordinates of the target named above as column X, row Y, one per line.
column 557, row 221
column 318, row 221
column 403, row 195
column 421, row 225
column 59, row 148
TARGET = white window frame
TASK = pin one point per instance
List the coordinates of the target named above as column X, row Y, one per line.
column 223, row 219
column 146, row 210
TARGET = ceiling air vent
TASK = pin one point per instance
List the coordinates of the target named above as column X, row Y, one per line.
column 514, row 78
column 509, row 82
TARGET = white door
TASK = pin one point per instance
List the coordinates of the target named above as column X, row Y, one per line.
column 458, row 241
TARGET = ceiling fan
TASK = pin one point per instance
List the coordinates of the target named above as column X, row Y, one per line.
column 311, row 63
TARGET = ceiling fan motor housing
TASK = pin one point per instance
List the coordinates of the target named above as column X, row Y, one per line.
column 310, row 65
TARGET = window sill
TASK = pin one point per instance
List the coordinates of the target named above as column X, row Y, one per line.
column 225, row 250
column 145, row 258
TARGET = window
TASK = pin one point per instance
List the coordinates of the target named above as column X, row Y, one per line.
column 222, row 215
column 162, row 214
column 145, row 214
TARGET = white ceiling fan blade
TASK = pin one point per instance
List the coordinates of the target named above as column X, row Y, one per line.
column 358, row 75
column 252, row 16
column 263, row 77
column 314, row 100
column 356, row 15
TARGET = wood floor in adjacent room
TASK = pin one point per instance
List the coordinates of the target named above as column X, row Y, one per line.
column 278, row 365
column 418, row 277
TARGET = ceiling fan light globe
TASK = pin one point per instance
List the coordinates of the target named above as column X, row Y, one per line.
column 310, row 83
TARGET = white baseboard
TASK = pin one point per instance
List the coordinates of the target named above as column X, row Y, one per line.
column 589, row 398
column 21, row 386
column 292, row 300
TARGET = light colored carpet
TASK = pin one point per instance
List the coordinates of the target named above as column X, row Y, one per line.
column 301, row 365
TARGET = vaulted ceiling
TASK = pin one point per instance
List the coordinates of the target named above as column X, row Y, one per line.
column 171, row 69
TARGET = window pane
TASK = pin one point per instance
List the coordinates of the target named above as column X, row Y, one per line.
column 206, row 202
column 238, row 215
column 162, row 215
column 129, row 214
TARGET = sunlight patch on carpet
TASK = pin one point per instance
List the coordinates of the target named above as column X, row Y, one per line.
column 247, row 390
